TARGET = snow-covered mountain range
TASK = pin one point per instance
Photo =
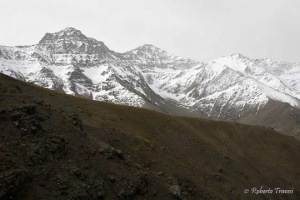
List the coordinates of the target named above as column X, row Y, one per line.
column 228, row 88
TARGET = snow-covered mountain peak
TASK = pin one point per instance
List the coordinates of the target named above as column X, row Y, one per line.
column 156, row 52
column 238, row 56
column 71, row 41
column 237, row 62
column 146, row 51
column 149, row 46
column 224, row 88
column 71, row 33
column 70, row 30
column 150, row 56
column 65, row 34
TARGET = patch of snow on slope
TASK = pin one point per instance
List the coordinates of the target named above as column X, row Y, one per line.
column 119, row 95
column 279, row 96
column 97, row 73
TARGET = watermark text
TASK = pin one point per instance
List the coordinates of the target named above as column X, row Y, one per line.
column 263, row 190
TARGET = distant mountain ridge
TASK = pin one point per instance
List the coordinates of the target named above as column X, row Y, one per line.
column 227, row 88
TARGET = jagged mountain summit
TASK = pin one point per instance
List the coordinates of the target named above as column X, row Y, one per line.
column 72, row 42
column 149, row 57
column 255, row 91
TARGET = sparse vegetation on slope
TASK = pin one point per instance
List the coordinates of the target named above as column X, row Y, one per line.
column 55, row 146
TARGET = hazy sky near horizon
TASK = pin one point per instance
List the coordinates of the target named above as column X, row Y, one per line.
column 198, row 29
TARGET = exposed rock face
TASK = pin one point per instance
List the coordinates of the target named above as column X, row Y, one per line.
column 71, row 41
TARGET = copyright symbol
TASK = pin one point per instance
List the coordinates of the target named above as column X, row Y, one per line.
column 246, row 191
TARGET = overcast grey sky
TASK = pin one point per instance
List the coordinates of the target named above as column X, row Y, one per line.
column 197, row 29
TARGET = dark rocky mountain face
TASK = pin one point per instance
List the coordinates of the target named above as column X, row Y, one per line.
column 72, row 41
column 56, row 146
column 233, row 88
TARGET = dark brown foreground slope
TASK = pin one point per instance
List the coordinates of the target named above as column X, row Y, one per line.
column 281, row 116
column 55, row 146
